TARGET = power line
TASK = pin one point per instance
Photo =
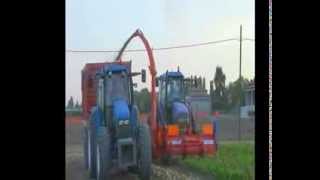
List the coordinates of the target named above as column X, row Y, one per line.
column 194, row 45
column 248, row 39
column 163, row 48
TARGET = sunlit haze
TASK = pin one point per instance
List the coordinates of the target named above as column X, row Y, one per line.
column 105, row 25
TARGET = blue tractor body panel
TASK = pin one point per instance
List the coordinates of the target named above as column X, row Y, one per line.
column 134, row 117
column 179, row 110
column 96, row 116
column 115, row 68
column 121, row 109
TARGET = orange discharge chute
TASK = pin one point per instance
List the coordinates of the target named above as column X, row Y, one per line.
column 152, row 69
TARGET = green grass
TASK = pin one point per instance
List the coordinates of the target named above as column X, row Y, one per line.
column 233, row 161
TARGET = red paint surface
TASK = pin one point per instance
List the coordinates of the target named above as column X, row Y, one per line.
column 201, row 114
column 152, row 69
column 190, row 145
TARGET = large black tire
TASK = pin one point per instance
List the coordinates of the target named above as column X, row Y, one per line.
column 103, row 154
column 166, row 159
column 92, row 145
column 144, row 152
column 85, row 147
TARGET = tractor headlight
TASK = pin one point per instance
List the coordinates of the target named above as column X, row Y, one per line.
column 123, row 122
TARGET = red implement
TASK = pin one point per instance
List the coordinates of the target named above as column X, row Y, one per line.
column 190, row 144
column 164, row 139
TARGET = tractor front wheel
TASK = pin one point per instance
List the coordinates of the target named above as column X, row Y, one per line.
column 144, row 150
column 166, row 159
column 86, row 148
column 92, row 144
column 103, row 154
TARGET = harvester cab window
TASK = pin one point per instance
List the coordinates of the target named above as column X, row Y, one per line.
column 175, row 89
column 117, row 87
column 162, row 91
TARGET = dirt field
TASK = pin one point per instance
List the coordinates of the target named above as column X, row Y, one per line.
column 75, row 166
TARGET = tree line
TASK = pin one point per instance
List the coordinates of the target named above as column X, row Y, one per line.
column 223, row 97
column 227, row 98
column 72, row 105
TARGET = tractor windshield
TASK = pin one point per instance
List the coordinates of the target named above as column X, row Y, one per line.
column 117, row 87
column 175, row 89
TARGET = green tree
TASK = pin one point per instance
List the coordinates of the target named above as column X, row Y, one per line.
column 145, row 100
column 77, row 105
column 218, row 92
column 219, row 81
column 235, row 89
column 70, row 103
column 142, row 100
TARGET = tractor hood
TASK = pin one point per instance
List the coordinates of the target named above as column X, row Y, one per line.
column 179, row 110
column 120, row 109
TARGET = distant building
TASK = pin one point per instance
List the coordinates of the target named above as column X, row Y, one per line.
column 248, row 107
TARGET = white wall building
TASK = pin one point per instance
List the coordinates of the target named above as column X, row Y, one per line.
column 248, row 109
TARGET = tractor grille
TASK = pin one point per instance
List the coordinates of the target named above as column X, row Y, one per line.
column 124, row 131
column 126, row 152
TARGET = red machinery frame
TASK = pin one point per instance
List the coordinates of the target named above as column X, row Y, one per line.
column 192, row 143
column 153, row 72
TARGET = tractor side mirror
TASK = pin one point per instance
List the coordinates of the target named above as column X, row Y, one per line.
column 157, row 82
column 143, row 75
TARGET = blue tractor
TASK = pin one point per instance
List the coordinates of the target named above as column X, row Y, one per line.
column 114, row 136
column 176, row 122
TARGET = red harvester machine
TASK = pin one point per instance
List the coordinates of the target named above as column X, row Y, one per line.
column 171, row 118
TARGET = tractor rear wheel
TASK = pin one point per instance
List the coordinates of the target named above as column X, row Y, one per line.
column 86, row 149
column 166, row 159
column 144, row 152
column 92, row 145
column 103, row 154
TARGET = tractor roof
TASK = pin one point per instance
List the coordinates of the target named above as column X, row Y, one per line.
column 174, row 74
column 114, row 68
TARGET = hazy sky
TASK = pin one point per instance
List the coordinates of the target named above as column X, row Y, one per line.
column 105, row 25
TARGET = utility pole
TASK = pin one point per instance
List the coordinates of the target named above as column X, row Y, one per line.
column 240, row 58
column 240, row 51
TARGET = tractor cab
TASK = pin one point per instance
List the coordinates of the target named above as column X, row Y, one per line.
column 172, row 100
column 117, row 85
column 115, row 95
column 171, row 87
